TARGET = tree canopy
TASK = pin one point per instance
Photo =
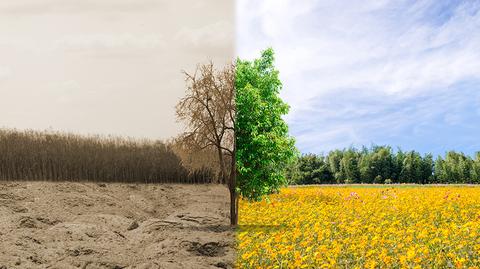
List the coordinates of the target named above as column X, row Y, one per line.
column 238, row 112
column 381, row 164
column 264, row 149
column 208, row 110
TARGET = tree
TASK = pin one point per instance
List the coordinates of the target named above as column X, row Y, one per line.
column 349, row 166
column 311, row 169
column 264, row 148
column 382, row 163
column 208, row 109
column 334, row 159
column 427, row 167
column 376, row 165
column 440, row 171
column 379, row 164
column 398, row 165
column 411, row 167
column 367, row 174
column 457, row 167
column 475, row 173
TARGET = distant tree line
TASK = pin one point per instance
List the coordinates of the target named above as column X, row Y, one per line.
column 381, row 164
column 31, row 155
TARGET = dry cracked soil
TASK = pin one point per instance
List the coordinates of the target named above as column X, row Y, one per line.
column 113, row 225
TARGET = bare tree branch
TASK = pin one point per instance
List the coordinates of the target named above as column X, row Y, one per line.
column 208, row 110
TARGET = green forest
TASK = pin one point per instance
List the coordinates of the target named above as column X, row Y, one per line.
column 382, row 164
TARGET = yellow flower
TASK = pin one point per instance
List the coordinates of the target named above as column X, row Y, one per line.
column 327, row 227
column 387, row 260
column 411, row 254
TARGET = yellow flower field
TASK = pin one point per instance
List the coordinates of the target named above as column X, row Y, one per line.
column 353, row 227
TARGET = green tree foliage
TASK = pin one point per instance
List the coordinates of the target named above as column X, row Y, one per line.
column 440, row 171
column 264, row 150
column 349, row 166
column 457, row 168
column 427, row 168
column 475, row 172
column 398, row 164
column 310, row 169
column 334, row 159
column 376, row 165
column 380, row 164
column 411, row 168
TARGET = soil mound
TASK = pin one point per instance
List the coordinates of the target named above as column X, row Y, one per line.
column 112, row 225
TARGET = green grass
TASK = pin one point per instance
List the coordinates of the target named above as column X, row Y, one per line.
column 360, row 186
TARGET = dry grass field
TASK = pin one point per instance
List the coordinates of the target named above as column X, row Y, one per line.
column 90, row 225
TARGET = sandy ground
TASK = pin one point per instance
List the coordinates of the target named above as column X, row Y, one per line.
column 88, row 225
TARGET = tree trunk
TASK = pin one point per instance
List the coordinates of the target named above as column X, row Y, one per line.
column 233, row 208
column 232, row 184
column 222, row 164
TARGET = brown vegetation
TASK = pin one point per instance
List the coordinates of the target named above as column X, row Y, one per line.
column 33, row 155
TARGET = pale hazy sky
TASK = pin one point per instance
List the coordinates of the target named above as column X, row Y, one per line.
column 105, row 66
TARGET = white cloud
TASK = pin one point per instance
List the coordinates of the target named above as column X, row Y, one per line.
column 109, row 41
column 217, row 34
column 349, row 118
column 5, row 72
column 383, row 51
column 108, row 66
column 85, row 42
column 387, row 46
column 39, row 7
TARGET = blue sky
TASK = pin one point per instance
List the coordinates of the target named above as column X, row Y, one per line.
column 401, row 73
